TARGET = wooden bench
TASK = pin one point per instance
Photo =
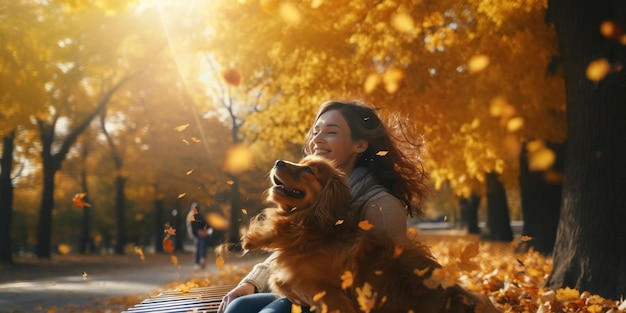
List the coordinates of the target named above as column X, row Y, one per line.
column 197, row 300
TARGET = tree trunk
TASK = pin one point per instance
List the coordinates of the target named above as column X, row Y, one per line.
column 235, row 213
column 44, row 228
column 541, row 201
column 589, row 253
column 498, row 221
column 120, row 211
column 469, row 213
column 6, row 197
column 85, row 244
column 159, row 208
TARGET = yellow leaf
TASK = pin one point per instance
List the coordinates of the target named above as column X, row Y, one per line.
column 189, row 172
column 244, row 211
column 365, row 225
column 541, row 159
column 84, row 275
column 515, row 124
column 392, row 79
column 382, row 153
column 319, row 296
column 296, row 308
column 397, row 251
column 180, row 128
column 64, row 249
column 219, row 262
column 478, row 63
column 181, row 195
column 403, row 23
column 468, row 252
column 347, row 279
column 185, row 141
column 339, row 222
column 371, row 82
column 196, row 140
column 598, row 69
column 567, row 294
column 217, row 221
column 289, row 13
column 139, row 251
column 239, row 159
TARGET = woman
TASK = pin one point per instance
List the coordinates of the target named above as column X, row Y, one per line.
column 385, row 185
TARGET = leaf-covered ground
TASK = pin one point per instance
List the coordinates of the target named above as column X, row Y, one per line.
column 513, row 281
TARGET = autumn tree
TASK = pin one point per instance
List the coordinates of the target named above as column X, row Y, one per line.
column 589, row 252
column 471, row 74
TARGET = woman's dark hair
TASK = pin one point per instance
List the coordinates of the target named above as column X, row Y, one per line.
column 403, row 177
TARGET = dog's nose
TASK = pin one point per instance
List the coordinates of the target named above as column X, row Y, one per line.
column 279, row 163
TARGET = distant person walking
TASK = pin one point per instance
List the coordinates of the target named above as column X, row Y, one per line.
column 199, row 230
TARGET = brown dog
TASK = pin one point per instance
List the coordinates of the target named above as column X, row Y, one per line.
column 323, row 259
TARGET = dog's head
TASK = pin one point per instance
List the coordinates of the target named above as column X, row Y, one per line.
column 314, row 184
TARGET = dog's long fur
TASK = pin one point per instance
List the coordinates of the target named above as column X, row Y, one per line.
column 316, row 240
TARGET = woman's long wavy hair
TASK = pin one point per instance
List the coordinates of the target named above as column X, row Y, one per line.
column 404, row 177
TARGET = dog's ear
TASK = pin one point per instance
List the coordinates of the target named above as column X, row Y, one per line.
column 333, row 203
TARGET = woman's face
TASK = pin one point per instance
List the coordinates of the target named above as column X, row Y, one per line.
column 332, row 139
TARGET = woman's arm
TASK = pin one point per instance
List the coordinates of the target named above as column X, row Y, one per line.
column 387, row 214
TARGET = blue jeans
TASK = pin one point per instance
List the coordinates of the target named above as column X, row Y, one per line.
column 261, row 303
column 200, row 253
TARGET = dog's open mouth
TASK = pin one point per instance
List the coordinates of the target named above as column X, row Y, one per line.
column 280, row 186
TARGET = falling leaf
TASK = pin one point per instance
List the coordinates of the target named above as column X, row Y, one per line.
column 397, row 251
column 296, row 308
column 366, row 297
column 84, row 275
column 232, row 77
column 371, row 82
column 347, row 279
column 219, row 262
column 478, row 63
column 180, row 128
column 611, row 30
column 392, row 79
column 64, row 249
column 217, row 221
column 79, row 200
column 382, row 153
column 196, row 140
column 289, row 13
column 515, row 124
column 567, row 294
column 526, row 238
column 316, row 4
column 412, row 233
column 403, row 23
column 238, row 159
column 185, row 141
column 189, row 172
column 167, row 245
column 541, row 159
column 598, row 69
column 244, row 211
column 139, row 251
column 181, row 195
column 171, row 231
column 319, row 296
column 339, row 222
column 365, row 225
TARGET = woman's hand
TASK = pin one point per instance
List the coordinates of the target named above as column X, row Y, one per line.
column 241, row 290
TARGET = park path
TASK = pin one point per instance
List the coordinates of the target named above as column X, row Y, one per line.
column 112, row 281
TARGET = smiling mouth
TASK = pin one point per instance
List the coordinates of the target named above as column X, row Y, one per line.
column 280, row 187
